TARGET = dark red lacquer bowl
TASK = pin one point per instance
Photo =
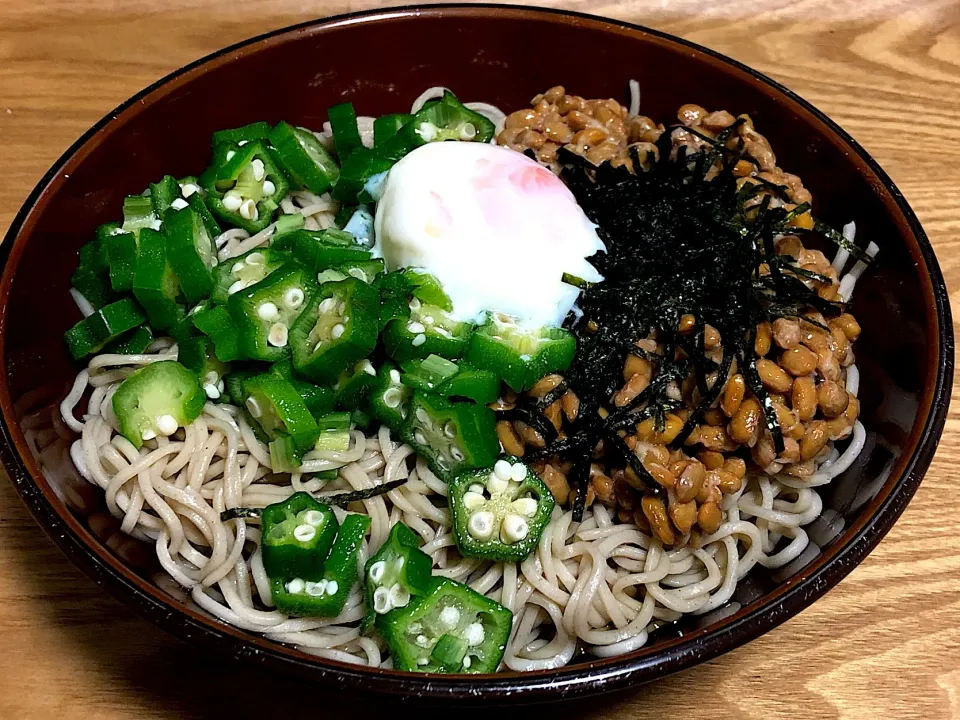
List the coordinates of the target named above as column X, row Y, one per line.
column 381, row 61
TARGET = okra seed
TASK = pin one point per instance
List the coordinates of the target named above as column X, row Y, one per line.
column 450, row 430
column 423, row 661
column 337, row 331
column 212, row 392
column 416, row 327
column 268, row 311
column 255, row 259
column 466, row 662
column 392, row 397
column 220, row 386
column 167, row 424
column 475, row 487
column 468, row 131
column 449, row 616
column 422, row 415
column 381, row 601
column 296, row 586
column 304, row 533
column 242, row 143
column 313, row 517
column 232, row 201
column 525, row 506
column 332, row 587
column 428, row 131
column 179, row 204
column 248, row 210
column 279, row 334
column 253, row 407
column 419, row 438
column 415, row 304
column 148, row 434
column 327, row 305
column 480, row 525
column 474, row 634
column 496, row 484
column 237, row 267
column 258, row 170
column 399, row 597
column 377, row 570
column 428, row 320
column 442, row 331
column 341, row 308
column 293, row 298
column 357, row 273
column 423, row 641
column 472, row 500
column 513, row 529
column 211, row 378
column 368, row 368
column 419, row 340
column 236, row 287
column 188, row 189
column 502, row 469
column 518, row 473
column 456, row 453
column 317, row 589
column 398, row 565
column 395, row 376
column 230, row 154
column 269, row 188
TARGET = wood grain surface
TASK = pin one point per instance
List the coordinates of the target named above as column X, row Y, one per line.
column 884, row 644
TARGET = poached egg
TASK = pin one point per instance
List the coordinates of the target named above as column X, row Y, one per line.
column 497, row 230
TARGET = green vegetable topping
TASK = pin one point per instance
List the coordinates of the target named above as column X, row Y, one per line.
column 324, row 596
column 518, row 355
column 106, row 325
column 157, row 400
column 296, row 536
column 451, row 436
column 499, row 514
column 244, row 186
column 451, row 629
column 338, row 327
column 398, row 572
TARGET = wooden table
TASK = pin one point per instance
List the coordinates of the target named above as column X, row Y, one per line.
column 884, row 644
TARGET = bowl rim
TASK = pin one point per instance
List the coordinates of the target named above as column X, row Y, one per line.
column 591, row 677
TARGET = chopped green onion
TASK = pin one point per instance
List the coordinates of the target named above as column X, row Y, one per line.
column 437, row 369
column 334, row 432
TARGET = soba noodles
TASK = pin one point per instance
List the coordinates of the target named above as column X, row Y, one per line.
column 599, row 586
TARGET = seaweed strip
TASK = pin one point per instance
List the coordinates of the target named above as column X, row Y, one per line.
column 532, row 417
column 341, row 499
column 240, row 512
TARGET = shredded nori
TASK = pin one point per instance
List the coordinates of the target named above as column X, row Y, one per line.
column 681, row 239
column 240, row 512
column 340, row 500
